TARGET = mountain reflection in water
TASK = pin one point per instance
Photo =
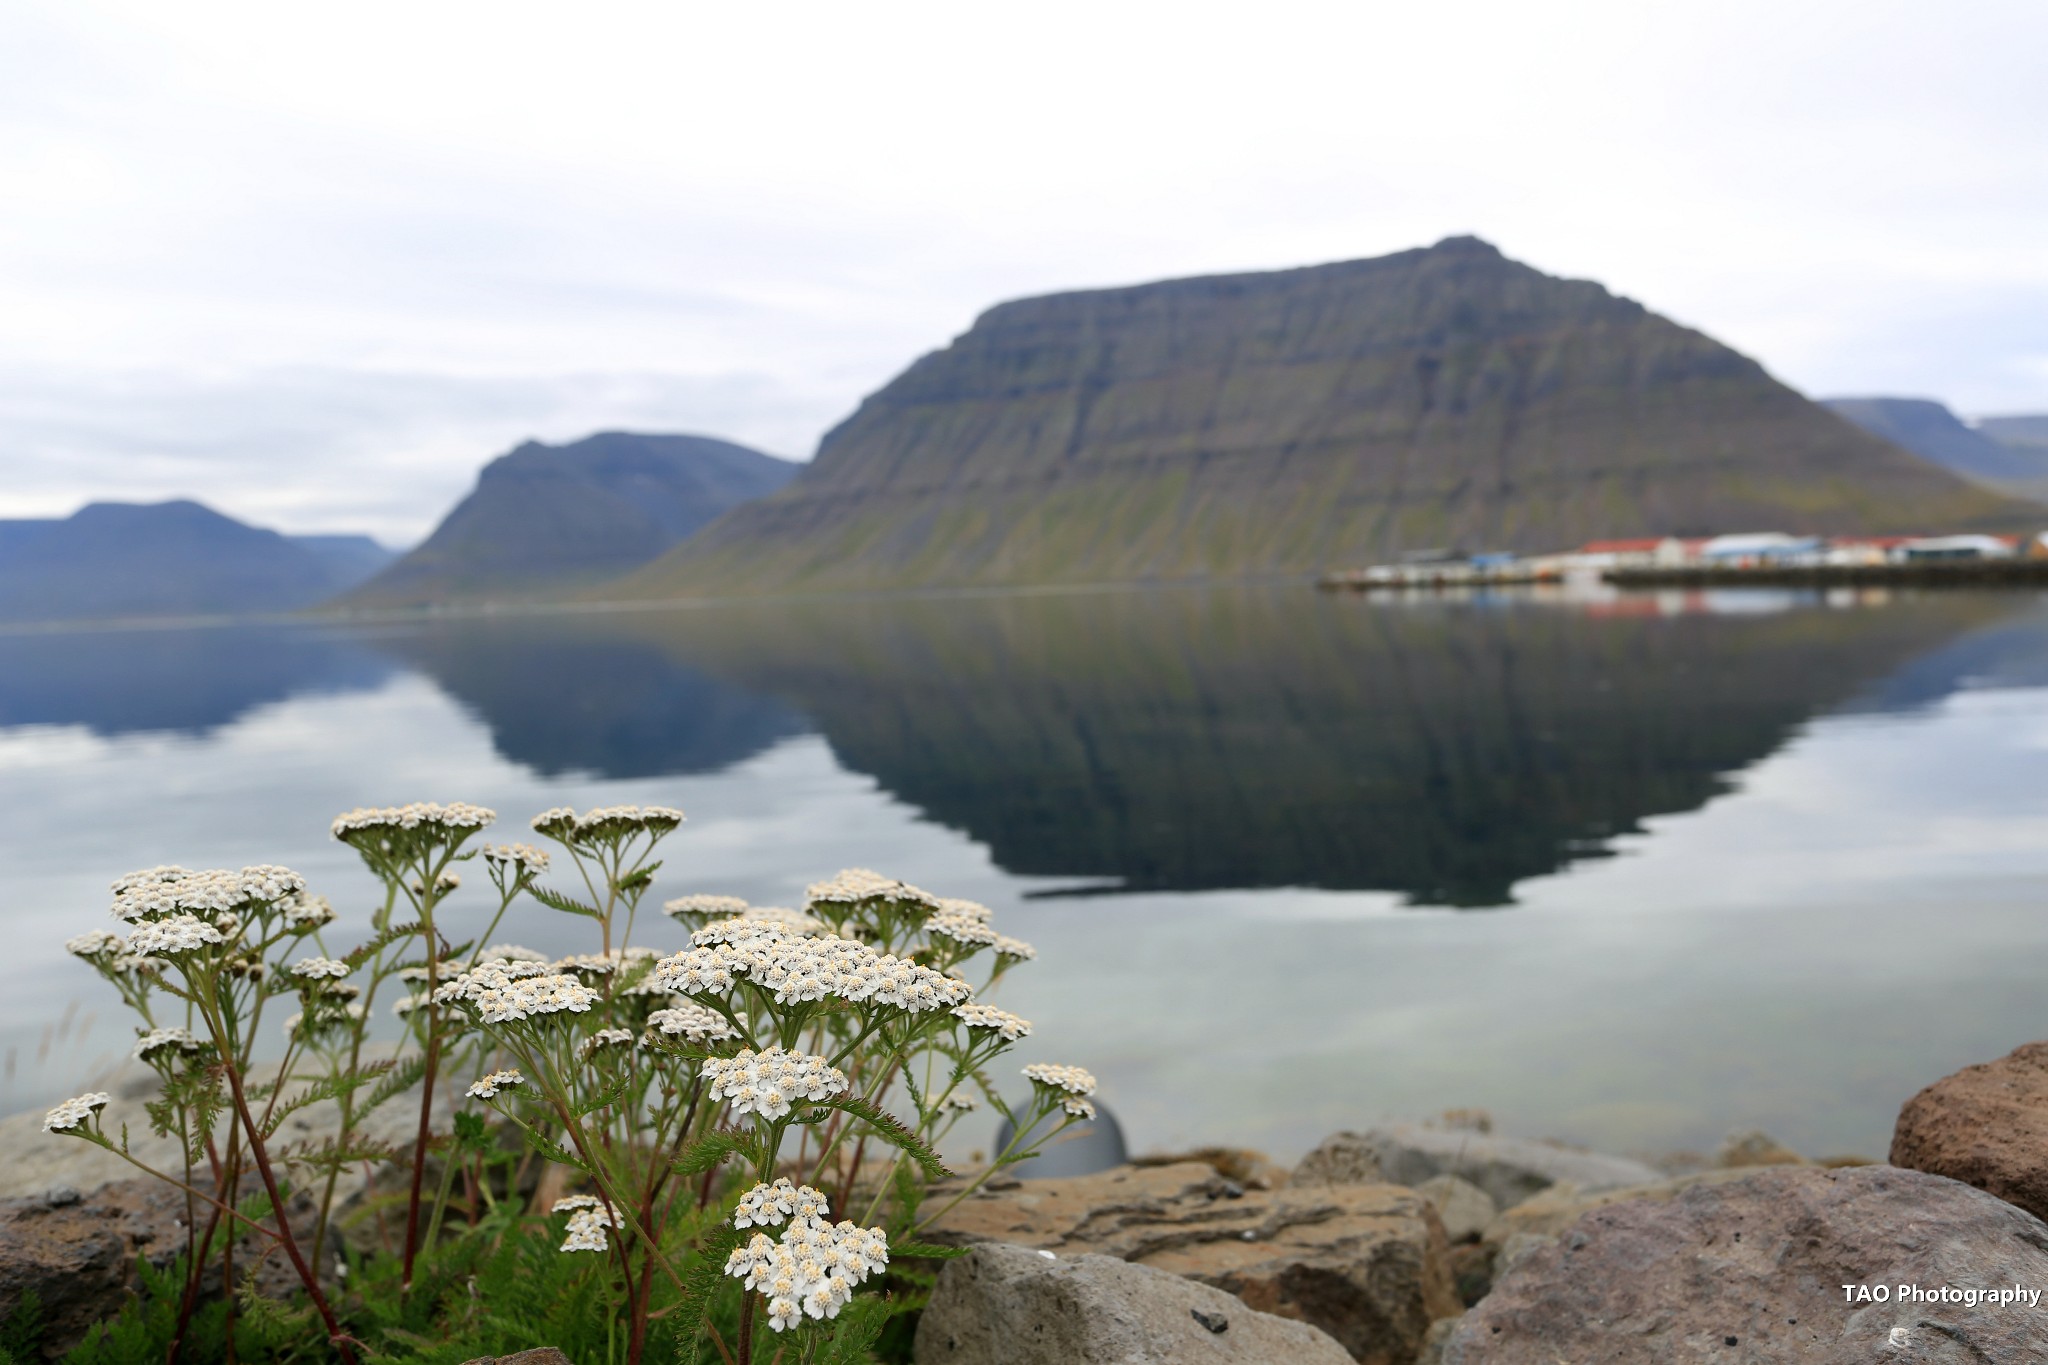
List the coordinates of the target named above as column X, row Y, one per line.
column 1134, row 741
column 1186, row 741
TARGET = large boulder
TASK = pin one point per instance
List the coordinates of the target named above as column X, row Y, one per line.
column 1508, row 1169
column 1986, row 1126
column 1753, row 1270
column 1365, row 1263
column 77, row 1253
column 1010, row 1305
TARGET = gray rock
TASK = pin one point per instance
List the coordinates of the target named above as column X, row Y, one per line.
column 1433, row 1345
column 1749, row 1271
column 1466, row 1209
column 1365, row 1263
column 1508, row 1169
column 1009, row 1305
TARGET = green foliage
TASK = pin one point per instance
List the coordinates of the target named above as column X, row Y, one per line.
column 710, row 1151
column 555, row 900
column 21, row 1334
column 331, row 1086
column 890, row 1129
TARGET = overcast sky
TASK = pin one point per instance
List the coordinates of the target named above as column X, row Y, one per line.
column 316, row 264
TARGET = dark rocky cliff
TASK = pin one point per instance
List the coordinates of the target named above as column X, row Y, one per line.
column 1300, row 419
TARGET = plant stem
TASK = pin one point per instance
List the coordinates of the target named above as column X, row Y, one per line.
column 284, row 1223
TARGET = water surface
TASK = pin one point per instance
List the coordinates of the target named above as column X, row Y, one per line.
column 1631, row 871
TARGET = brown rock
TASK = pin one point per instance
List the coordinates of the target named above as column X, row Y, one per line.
column 78, row 1253
column 1987, row 1126
column 1366, row 1263
column 539, row 1355
column 1751, row 1270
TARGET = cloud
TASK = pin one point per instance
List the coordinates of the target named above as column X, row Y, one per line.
column 763, row 213
column 310, row 449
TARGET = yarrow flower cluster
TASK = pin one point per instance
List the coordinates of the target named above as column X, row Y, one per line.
column 1001, row 1022
column 796, row 967
column 177, row 934
column 434, row 817
column 770, row 1081
column 521, row 857
column 499, row 994
column 691, row 1022
column 604, row 1038
column 1077, row 1083
column 773, row 1205
column 94, row 943
column 588, row 1219
column 163, row 891
column 699, row 909
column 73, row 1114
column 320, row 968
column 606, row 824
column 304, row 912
column 511, row 952
column 488, row 1087
column 163, row 1040
column 813, row 1268
column 858, row 885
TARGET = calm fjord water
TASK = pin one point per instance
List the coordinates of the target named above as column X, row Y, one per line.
column 1630, row 872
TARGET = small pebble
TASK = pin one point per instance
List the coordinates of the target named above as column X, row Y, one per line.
column 58, row 1196
column 1215, row 1322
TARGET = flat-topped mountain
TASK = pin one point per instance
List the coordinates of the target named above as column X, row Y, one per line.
column 2024, row 435
column 119, row 560
column 1931, row 431
column 1302, row 419
column 548, row 520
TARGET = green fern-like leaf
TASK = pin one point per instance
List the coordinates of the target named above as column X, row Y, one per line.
column 397, row 1080
column 605, row 1099
column 331, row 1087
column 710, row 1151
column 380, row 941
column 568, row 905
column 890, row 1129
column 554, row 1151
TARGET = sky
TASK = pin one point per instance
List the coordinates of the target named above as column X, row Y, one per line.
column 315, row 265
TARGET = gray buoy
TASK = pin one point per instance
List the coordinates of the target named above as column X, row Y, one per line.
column 1089, row 1146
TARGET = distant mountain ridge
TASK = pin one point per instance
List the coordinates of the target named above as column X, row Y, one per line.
column 544, row 521
column 1930, row 430
column 112, row 561
column 1290, row 421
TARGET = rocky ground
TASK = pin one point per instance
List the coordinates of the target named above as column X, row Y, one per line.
column 1436, row 1243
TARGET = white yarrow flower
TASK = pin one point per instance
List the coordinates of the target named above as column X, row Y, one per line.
column 1071, row 1079
column 769, row 1082
column 320, row 968
column 182, row 933
column 487, row 1087
column 163, row 1040
column 73, row 1113
column 1001, row 1022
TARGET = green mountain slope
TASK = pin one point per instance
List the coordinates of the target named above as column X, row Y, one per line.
column 1301, row 419
column 545, row 521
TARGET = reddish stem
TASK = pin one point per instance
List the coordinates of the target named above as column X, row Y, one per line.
column 284, row 1224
